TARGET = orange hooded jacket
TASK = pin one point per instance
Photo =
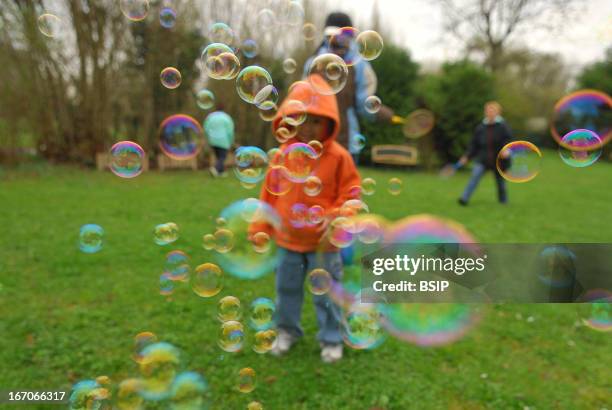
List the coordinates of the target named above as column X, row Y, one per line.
column 335, row 168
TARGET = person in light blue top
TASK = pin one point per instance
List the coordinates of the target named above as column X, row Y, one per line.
column 361, row 82
column 219, row 131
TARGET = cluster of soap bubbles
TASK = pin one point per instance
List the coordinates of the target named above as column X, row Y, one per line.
column 581, row 125
column 260, row 319
column 160, row 382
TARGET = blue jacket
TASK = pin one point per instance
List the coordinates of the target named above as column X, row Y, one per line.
column 219, row 129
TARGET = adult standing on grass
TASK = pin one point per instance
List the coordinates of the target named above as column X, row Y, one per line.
column 489, row 138
column 361, row 82
column 219, row 130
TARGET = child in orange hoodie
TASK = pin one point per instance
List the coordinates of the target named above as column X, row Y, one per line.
column 300, row 245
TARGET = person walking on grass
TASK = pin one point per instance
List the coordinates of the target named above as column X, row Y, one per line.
column 303, row 248
column 489, row 138
column 219, row 131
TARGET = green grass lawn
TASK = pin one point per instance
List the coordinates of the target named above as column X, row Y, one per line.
column 66, row 316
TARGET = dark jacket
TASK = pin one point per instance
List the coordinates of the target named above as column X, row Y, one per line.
column 487, row 141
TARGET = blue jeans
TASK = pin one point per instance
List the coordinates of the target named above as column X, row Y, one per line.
column 477, row 172
column 220, row 155
column 290, row 276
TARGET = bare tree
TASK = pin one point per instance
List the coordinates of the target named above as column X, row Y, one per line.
column 489, row 25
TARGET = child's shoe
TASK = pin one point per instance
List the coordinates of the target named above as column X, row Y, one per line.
column 213, row 171
column 331, row 353
column 284, row 341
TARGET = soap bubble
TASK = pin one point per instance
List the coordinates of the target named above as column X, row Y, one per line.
column 231, row 336
column 266, row 19
column 251, row 164
column 394, row 186
column 291, row 13
column 267, row 98
column 519, row 161
column 224, row 240
column 163, row 234
column 277, row 180
column 170, row 77
column 166, row 285
column 340, row 232
column 264, row 340
column 251, row 81
column 142, row 340
column 177, row 265
column 294, row 112
column 249, row 48
column 158, row 368
column 332, row 69
column 341, row 44
column 419, row 123
column 600, row 317
column 205, row 99
column 229, row 308
column 167, row 17
column 289, row 65
column 316, row 214
column 368, row 186
column 370, row 44
column 317, row 147
column 91, row 238
column 221, row 33
column 298, row 215
column 180, row 137
column 128, row 396
column 285, row 131
column 300, row 161
column 261, row 314
column 361, row 327
column 254, row 405
column 187, row 391
column 246, row 380
column 373, row 104
column 126, row 159
column 208, row 241
column 267, row 111
column 306, row 91
column 88, row 394
column 318, row 281
column 250, row 260
column 49, row 24
column 309, row 31
column 261, row 242
column 207, row 280
column 580, row 139
column 135, row 10
column 313, row 185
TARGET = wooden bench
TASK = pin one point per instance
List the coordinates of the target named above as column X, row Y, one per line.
column 395, row 154
column 164, row 162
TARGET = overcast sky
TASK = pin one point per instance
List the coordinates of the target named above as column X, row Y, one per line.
column 417, row 24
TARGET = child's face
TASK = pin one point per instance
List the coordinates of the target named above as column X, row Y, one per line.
column 314, row 128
